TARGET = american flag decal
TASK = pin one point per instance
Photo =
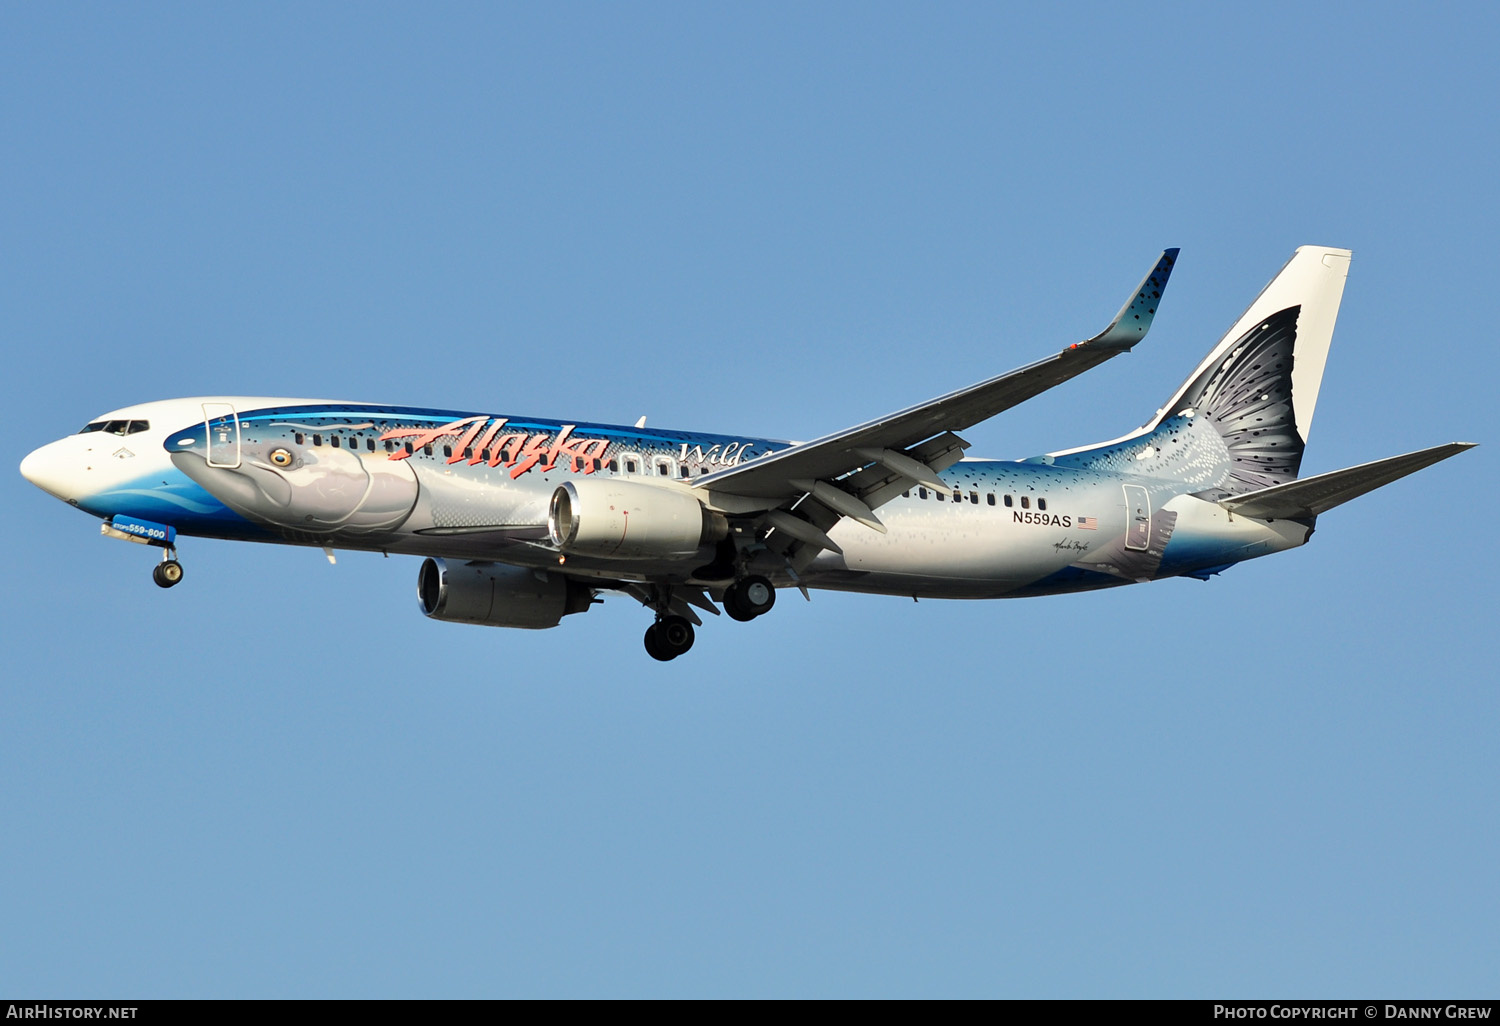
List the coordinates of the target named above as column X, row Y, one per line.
column 1088, row 523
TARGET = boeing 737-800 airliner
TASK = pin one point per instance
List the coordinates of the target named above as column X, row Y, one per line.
column 523, row 521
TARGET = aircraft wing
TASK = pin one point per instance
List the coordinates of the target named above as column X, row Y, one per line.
column 878, row 460
column 1313, row 495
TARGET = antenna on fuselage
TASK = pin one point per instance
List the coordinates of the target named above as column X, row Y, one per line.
column 641, row 423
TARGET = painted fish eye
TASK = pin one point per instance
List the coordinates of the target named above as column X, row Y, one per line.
column 281, row 457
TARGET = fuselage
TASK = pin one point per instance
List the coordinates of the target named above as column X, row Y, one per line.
column 474, row 486
column 523, row 520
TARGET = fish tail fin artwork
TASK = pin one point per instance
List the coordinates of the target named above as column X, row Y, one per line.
column 1258, row 387
column 1240, row 422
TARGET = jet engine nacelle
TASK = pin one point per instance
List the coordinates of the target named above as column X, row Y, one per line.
column 630, row 520
column 497, row 595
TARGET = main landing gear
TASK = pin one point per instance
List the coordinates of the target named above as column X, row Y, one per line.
column 669, row 637
column 167, row 573
column 672, row 634
column 748, row 598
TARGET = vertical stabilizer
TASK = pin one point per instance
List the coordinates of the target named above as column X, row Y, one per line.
column 1303, row 299
column 1240, row 422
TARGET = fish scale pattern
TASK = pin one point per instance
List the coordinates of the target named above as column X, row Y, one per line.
column 1247, row 397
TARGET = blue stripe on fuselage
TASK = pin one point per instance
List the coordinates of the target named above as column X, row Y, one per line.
column 386, row 418
column 170, row 497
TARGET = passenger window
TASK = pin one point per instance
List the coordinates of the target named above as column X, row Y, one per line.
column 614, row 466
column 334, row 441
column 407, row 446
column 298, row 437
column 317, row 439
column 921, row 493
column 427, row 450
column 1025, row 502
column 1007, row 501
column 390, row 446
column 974, row 498
column 958, row 496
column 448, row 450
column 1041, row 504
column 990, row 498
column 906, row 494
column 630, row 466
column 370, row 444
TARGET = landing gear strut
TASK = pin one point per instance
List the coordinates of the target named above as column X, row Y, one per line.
column 672, row 634
column 168, row 572
column 748, row 598
column 669, row 637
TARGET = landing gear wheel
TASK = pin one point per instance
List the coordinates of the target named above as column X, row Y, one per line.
column 734, row 607
column 167, row 573
column 758, row 595
column 669, row 638
column 748, row 598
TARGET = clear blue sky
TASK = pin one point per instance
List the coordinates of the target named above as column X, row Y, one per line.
column 281, row 780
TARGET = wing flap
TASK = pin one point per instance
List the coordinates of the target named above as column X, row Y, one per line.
column 878, row 483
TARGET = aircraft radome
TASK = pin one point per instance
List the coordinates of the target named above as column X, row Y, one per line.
column 526, row 520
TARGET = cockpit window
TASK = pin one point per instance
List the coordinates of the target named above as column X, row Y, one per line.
column 117, row 427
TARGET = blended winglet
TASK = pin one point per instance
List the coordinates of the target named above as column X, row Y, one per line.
column 1134, row 319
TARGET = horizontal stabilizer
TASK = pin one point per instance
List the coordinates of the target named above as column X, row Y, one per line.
column 1313, row 495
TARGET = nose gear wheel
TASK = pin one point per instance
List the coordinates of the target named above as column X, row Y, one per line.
column 167, row 573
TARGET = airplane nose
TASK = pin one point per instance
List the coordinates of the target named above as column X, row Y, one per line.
column 50, row 471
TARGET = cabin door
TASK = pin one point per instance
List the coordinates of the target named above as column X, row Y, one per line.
column 223, row 426
column 1137, row 518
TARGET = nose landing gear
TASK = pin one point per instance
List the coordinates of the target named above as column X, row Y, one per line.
column 167, row 573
